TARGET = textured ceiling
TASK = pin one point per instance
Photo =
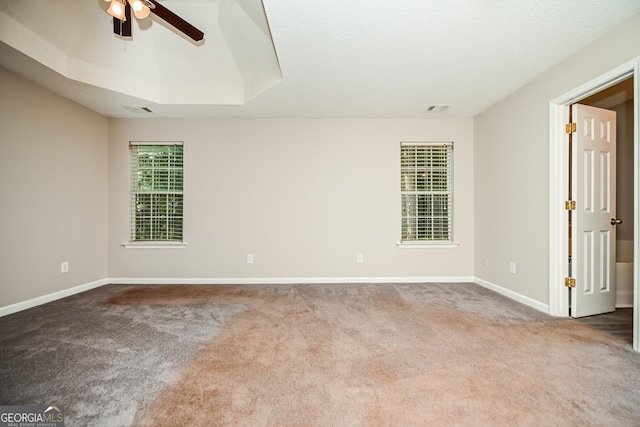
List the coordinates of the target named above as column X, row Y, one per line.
column 276, row 58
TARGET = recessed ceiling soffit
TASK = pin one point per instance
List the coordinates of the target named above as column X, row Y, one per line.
column 235, row 62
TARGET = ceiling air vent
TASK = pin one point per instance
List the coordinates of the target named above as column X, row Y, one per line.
column 140, row 110
column 436, row 108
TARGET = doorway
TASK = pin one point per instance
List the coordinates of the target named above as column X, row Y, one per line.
column 558, row 184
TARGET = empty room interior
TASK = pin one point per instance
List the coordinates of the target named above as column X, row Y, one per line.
column 246, row 212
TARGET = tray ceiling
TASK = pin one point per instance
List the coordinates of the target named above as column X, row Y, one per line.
column 273, row 58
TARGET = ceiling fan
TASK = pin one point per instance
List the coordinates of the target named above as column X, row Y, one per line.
column 121, row 12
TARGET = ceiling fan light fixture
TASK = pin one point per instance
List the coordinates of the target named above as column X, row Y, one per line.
column 139, row 9
column 116, row 9
column 143, row 13
column 121, row 12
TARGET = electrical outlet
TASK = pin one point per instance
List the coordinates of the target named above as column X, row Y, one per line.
column 512, row 267
column 359, row 258
column 485, row 261
column 64, row 267
column 250, row 259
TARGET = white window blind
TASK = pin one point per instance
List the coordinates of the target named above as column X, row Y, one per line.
column 157, row 171
column 427, row 191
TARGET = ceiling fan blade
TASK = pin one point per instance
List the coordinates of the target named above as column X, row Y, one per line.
column 177, row 22
column 123, row 28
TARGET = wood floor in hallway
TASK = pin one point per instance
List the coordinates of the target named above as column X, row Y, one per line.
column 618, row 323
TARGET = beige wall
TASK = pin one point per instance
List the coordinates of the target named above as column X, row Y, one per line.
column 303, row 196
column 511, row 166
column 53, row 197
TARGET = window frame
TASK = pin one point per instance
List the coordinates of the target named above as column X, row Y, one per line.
column 133, row 242
column 449, row 171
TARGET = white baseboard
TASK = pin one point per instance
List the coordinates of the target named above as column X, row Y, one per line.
column 513, row 295
column 14, row 308
column 624, row 299
column 286, row 280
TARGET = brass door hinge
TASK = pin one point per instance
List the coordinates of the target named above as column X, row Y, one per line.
column 570, row 127
column 570, row 282
column 570, row 205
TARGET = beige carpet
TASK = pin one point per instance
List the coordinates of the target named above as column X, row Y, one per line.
column 314, row 355
column 392, row 355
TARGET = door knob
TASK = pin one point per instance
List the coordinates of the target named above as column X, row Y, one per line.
column 615, row 221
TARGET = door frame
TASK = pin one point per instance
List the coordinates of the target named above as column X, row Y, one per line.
column 558, row 184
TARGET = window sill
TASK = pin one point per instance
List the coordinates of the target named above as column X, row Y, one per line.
column 427, row 245
column 154, row 245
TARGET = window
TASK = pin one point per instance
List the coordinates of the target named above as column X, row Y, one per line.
column 156, row 192
column 427, row 191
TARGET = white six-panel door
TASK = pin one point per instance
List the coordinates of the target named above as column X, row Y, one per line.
column 594, row 190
